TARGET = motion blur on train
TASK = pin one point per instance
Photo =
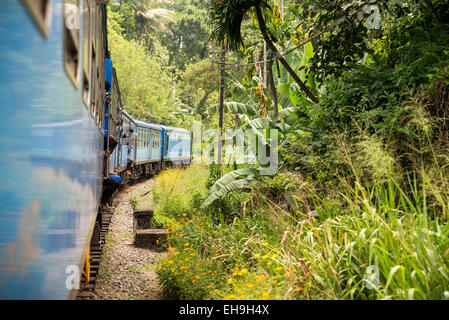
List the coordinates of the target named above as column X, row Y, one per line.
column 65, row 139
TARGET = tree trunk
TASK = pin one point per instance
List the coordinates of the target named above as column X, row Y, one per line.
column 263, row 29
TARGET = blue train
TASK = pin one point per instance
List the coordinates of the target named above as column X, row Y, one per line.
column 56, row 74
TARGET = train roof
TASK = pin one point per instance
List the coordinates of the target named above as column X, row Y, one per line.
column 148, row 125
column 166, row 128
column 154, row 125
column 126, row 114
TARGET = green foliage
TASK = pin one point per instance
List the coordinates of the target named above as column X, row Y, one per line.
column 143, row 83
column 188, row 44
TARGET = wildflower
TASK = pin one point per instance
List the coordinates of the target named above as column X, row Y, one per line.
column 257, row 255
column 265, row 257
column 170, row 262
column 261, row 278
column 243, row 271
column 229, row 281
column 185, row 245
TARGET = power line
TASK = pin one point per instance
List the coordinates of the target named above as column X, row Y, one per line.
column 267, row 60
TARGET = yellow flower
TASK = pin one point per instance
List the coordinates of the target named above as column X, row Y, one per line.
column 265, row 257
column 171, row 261
column 185, row 245
column 229, row 281
column 184, row 214
column 243, row 271
column 261, row 278
column 257, row 255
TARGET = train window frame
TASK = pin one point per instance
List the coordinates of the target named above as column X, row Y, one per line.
column 41, row 13
column 147, row 139
column 71, row 46
column 86, row 47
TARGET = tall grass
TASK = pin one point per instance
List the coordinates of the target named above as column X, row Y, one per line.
column 385, row 242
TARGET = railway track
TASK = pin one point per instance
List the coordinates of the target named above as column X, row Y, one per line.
column 87, row 287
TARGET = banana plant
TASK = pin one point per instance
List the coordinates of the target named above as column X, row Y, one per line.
column 245, row 106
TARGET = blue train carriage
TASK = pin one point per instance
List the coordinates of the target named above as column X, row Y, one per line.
column 177, row 146
column 52, row 91
column 148, row 149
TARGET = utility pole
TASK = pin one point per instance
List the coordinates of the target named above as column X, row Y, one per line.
column 281, row 4
column 221, row 107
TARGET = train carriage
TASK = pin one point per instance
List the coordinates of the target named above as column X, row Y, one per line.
column 51, row 142
column 55, row 73
column 149, row 147
column 177, row 145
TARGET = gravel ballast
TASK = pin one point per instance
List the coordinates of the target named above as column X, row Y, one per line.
column 127, row 272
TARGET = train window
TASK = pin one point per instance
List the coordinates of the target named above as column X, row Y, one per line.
column 93, row 82
column 40, row 11
column 71, row 40
column 86, row 52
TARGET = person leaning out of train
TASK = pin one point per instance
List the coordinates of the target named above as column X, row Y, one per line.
column 112, row 145
column 108, row 150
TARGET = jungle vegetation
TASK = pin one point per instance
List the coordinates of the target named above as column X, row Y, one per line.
column 359, row 91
